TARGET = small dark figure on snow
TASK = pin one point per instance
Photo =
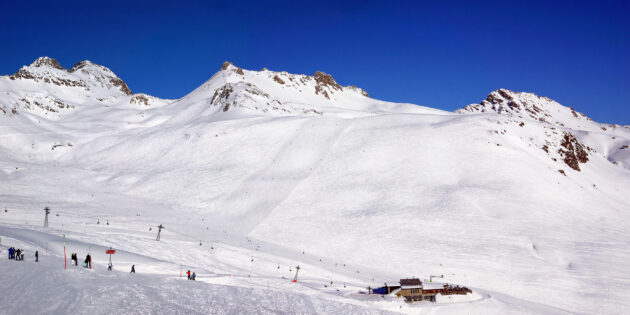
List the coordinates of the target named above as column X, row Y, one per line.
column 109, row 266
column 88, row 262
column 188, row 273
column 36, row 256
column 133, row 269
column 194, row 275
column 74, row 258
column 11, row 251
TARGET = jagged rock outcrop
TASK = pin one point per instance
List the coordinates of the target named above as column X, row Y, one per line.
column 47, row 61
column 325, row 83
column 573, row 151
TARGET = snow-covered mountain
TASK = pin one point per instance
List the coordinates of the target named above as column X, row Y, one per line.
column 521, row 198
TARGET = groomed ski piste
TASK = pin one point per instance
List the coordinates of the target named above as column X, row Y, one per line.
column 518, row 198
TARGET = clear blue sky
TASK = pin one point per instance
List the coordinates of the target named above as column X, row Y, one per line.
column 438, row 54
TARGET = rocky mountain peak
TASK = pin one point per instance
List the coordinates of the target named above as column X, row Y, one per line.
column 47, row 62
column 226, row 64
column 325, row 79
column 325, row 83
column 85, row 63
column 527, row 105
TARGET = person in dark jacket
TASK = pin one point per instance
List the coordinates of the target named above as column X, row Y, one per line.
column 36, row 256
column 88, row 261
column 133, row 269
column 10, row 252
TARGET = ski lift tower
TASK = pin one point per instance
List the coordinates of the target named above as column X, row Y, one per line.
column 47, row 211
column 160, row 227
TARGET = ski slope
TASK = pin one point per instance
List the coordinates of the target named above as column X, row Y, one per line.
column 520, row 198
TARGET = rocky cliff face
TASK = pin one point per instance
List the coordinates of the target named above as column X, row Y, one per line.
column 566, row 131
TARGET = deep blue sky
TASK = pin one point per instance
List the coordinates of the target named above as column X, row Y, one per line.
column 438, row 54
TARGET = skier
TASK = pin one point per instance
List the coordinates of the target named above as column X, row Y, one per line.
column 109, row 266
column 188, row 273
column 17, row 254
column 36, row 256
column 133, row 269
column 10, row 252
column 75, row 259
column 194, row 275
column 88, row 261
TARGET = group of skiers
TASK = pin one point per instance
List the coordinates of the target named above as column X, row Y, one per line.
column 87, row 263
column 191, row 276
column 18, row 254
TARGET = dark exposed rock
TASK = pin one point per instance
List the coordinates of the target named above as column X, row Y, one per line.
column 545, row 148
column 121, row 85
column 226, row 64
column 221, row 94
column 573, row 151
column 79, row 65
column 239, row 71
column 493, row 99
column 140, row 100
column 277, row 79
column 47, row 61
column 325, row 79
column 505, row 94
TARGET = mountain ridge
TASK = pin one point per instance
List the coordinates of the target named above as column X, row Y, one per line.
column 502, row 197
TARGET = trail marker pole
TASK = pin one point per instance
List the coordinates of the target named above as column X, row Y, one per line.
column 297, row 269
column 110, row 251
column 65, row 264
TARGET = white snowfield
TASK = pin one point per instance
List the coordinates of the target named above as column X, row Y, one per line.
column 519, row 198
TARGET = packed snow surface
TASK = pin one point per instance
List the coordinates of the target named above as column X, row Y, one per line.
column 519, row 198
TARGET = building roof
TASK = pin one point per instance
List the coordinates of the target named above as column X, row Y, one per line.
column 413, row 283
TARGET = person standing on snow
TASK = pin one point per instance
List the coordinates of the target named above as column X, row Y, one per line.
column 194, row 275
column 10, row 252
column 188, row 273
column 88, row 261
column 36, row 256
column 133, row 269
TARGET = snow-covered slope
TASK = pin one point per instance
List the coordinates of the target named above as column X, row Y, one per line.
column 519, row 197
